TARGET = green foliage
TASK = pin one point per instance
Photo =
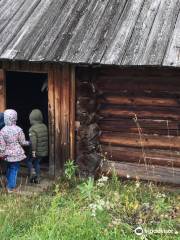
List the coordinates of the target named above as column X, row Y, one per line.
column 86, row 188
column 105, row 209
column 70, row 170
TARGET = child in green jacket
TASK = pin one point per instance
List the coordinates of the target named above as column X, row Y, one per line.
column 38, row 134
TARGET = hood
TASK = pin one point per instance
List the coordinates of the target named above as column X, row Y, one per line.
column 1, row 120
column 10, row 117
column 35, row 117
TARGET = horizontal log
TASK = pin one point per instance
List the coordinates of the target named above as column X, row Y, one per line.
column 140, row 112
column 144, row 123
column 141, row 101
column 139, row 85
column 147, row 156
column 134, row 71
column 121, row 126
column 144, row 172
column 161, row 132
column 142, row 94
column 147, row 141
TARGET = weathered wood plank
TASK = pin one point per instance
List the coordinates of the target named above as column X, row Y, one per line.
column 72, row 112
column 60, row 44
column 15, row 25
column 81, row 55
column 56, row 27
column 27, row 29
column 122, row 34
column 172, row 56
column 8, row 9
column 26, row 66
column 139, row 141
column 136, row 46
column 51, row 122
column 81, row 32
column 161, row 32
column 105, row 30
column 57, row 73
column 42, row 27
column 65, row 114
column 169, row 158
column 144, row 172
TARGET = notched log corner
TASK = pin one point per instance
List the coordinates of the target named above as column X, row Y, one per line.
column 88, row 146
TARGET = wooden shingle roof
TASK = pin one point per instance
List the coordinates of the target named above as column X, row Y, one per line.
column 118, row 32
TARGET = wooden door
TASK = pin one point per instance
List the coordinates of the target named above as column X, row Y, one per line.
column 2, row 90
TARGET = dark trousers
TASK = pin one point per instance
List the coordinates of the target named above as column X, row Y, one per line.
column 33, row 163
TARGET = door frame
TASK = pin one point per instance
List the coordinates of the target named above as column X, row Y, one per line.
column 61, row 108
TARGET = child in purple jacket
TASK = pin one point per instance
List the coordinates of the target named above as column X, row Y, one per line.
column 12, row 139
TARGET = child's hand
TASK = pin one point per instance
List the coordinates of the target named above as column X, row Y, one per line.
column 33, row 154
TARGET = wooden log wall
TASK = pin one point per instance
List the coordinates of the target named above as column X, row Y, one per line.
column 87, row 151
column 140, row 121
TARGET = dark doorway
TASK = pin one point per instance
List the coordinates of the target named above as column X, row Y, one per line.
column 24, row 92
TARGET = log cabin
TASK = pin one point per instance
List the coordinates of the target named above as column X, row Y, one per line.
column 112, row 70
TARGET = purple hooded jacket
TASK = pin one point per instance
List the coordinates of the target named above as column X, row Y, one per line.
column 12, row 138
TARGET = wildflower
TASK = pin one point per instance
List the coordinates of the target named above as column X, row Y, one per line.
column 100, row 184
column 128, row 176
column 161, row 195
column 101, row 181
column 137, row 184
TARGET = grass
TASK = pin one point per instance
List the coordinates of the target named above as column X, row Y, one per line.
column 103, row 210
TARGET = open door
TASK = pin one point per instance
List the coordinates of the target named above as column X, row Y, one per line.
column 26, row 91
column 2, row 91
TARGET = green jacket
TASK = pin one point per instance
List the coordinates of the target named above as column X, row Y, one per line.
column 38, row 133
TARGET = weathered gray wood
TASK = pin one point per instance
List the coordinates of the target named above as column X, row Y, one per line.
column 60, row 45
column 141, row 32
column 55, row 33
column 172, row 57
column 123, row 33
column 94, row 23
column 103, row 34
column 116, row 32
column 106, row 26
column 81, row 31
column 15, row 25
column 161, row 32
column 7, row 10
column 43, row 26
column 25, row 32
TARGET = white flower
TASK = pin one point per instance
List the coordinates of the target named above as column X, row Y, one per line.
column 161, row 195
column 103, row 179
column 137, row 184
column 100, row 184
